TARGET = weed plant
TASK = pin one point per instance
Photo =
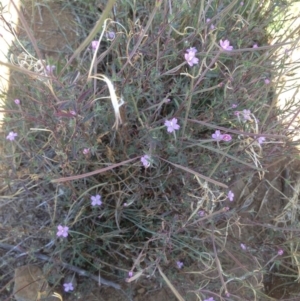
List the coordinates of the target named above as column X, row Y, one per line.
column 120, row 159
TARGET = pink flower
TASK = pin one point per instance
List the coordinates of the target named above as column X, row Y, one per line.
column 260, row 140
column 50, row 69
column 11, row 136
column 68, row 287
column 110, row 35
column 267, row 81
column 17, row 101
column 179, row 264
column 246, row 114
column 130, row 274
column 243, row 246
column 86, row 151
column 212, row 26
column 190, row 56
column 201, row 213
column 172, row 125
column 94, row 45
column 226, row 45
column 234, row 105
column 280, row 252
column 73, row 112
column 230, row 195
column 96, row 200
column 255, row 45
column 209, row 299
column 62, row 231
column 217, row 136
column 146, row 161
column 226, row 137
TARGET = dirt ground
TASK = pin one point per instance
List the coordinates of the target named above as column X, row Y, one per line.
column 268, row 198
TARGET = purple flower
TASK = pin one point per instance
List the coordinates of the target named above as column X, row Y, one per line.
column 280, row 252
column 201, row 213
column 146, row 161
column 50, row 69
column 260, row 140
column 209, row 299
column 86, row 151
column 94, row 45
column 190, row 56
column 110, row 35
column 243, row 246
column 96, row 200
column 255, row 45
column 172, row 125
column 130, row 274
column 217, row 135
column 11, row 136
column 246, row 114
column 234, row 105
column 62, row 231
column 68, row 287
column 179, row 264
column 230, row 195
column 226, row 45
column 226, row 137
column 267, row 81
column 17, row 101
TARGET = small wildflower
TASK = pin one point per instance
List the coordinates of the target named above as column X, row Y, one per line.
column 110, row 35
column 94, row 45
column 267, row 81
column 62, row 231
column 130, row 274
column 280, row 252
column 226, row 45
column 217, row 135
column 50, row 69
column 11, row 136
column 17, row 101
column 226, row 137
column 201, row 213
column 261, row 140
column 230, row 195
column 190, row 56
column 236, row 113
column 226, row 208
column 234, row 105
column 172, row 125
column 179, row 264
column 86, row 151
column 255, row 45
column 68, row 287
column 242, row 3
column 212, row 26
column 243, row 247
column 96, row 200
column 209, row 299
column 146, row 161
column 73, row 112
column 125, row 204
column 246, row 114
